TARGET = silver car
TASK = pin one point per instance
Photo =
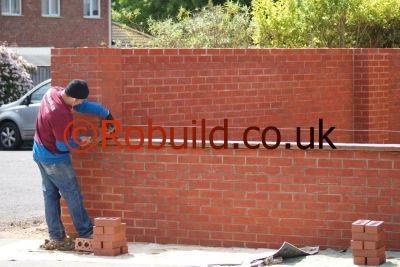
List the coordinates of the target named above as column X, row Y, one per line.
column 18, row 119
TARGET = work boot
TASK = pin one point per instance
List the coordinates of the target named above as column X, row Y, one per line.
column 65, row 244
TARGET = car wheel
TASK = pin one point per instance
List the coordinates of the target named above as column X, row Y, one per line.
column 10, row 138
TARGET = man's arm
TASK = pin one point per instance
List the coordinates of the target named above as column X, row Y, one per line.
column 58, row 128
column 62, row 146
column 92, row 108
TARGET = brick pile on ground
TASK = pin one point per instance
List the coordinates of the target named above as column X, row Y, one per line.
column 368, row 242
column 109, row 237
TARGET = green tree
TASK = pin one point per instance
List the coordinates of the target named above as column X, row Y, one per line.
column 227, row 25
column 326, row 23
column 136, row 13
column 375, row 23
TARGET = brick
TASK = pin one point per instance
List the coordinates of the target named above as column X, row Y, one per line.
column 357, row 245
column 116, row 244
column 369, row 253
column 83, row 244
column 374, row 227
column 359, row 260
column 111, row 230
column 369, row 237
column 124, row 249
column 107, row 252
column 374, row 261
column 107, row 221
column 110, row 238
column 98, row 230
column 373, row 244
column 359, row 226
column 97, row 244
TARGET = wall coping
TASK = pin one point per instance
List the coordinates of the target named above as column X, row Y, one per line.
column 293, row 145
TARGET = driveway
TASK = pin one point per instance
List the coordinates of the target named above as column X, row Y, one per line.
column 20, row 190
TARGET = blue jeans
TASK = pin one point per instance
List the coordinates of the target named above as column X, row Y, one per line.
column 60, row 178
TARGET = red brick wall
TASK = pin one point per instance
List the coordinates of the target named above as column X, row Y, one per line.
column 376, row 95
column 245, row 198
column 71, row 29
column 242, row 197
column 249, row 87
column 394, row 102
column 371, row 81
column 355, row 90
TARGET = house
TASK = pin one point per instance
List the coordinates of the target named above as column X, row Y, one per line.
column 124, row 36
column 56, row 23
column 32, row 27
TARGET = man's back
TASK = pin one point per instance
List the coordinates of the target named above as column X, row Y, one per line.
column 52, row 118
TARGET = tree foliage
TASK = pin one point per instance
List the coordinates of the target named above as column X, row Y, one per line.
column 277, row 23
column 326, row 23
column 227, row 25
column 15, row 80
column 136, row 13
column 375, row 23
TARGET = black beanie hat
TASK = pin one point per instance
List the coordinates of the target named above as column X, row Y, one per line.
column 77, row 89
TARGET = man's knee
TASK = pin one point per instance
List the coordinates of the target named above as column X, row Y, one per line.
column 51, row 194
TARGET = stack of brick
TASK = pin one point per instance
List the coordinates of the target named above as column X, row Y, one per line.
column 109, row 237
column 368, row 242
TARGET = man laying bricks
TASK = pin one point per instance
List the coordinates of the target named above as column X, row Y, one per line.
column 51, row 154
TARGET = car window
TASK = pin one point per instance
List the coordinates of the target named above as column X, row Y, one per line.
column 37, row 96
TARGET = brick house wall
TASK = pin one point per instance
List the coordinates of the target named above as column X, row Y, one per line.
column 71, row 29
column 243, row 197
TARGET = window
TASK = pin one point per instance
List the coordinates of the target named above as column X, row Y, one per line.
column 11, row 7
column 37, row 96
column 50, row 8
column 91, row 8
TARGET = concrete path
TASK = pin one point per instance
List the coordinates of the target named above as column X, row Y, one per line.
column 21, row 187
column 26, row 253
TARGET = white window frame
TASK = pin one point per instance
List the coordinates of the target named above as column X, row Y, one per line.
column 8, row 12
column 91, row 16
column 50, row 15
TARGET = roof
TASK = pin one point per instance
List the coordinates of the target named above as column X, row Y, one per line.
column 124, row 36
column 39, row 56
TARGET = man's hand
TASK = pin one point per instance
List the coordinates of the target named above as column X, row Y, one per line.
column 86, row 140
column 110, row 126
column 109, row 117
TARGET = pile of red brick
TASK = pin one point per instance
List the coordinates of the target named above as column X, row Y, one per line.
column 109, row 237
column 368, row 242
